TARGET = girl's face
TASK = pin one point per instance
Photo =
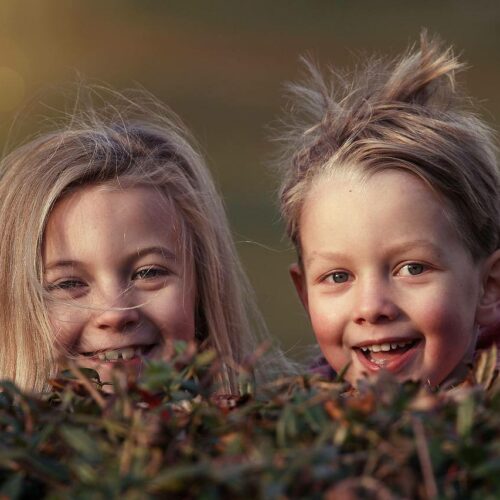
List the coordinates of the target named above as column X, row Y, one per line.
column 385, row 279
column 116, row 278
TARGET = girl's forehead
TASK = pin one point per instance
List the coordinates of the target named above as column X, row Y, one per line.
column 99, row 216
column 114, row 197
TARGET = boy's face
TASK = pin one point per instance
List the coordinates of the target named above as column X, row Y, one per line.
column 385, row 279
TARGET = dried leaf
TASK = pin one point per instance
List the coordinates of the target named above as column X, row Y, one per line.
column 486, row 366
column 167, row 434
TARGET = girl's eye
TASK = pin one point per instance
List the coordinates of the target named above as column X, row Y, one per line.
column 412, row 269
column 69, row 284
column 150, row 272
column 338, row 277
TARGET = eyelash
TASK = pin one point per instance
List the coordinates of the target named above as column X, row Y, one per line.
column 145, row 273
column 66, row 284
column 150, row 272
column 423, row 267
column 330, row 278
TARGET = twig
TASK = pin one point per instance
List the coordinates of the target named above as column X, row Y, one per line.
column 86, row 383
column 424, row 458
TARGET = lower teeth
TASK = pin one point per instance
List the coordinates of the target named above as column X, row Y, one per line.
column 379, row 362
column 387, row 355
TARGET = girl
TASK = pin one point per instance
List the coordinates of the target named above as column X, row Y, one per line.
column 390, row 194
column 114, row 240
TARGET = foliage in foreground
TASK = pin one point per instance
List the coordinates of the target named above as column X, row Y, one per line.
column 166, row 436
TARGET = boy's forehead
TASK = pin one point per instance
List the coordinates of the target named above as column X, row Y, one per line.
column 349, row 184
column 342, row 173
column 388, row 204
column 360, row 177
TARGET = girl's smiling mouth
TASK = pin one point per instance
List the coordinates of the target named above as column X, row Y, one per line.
column 391, row 355
column 130, row 357
column 120, row 354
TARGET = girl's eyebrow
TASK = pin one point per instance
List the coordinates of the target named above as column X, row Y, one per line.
column 156, row 250
column 141, row 252
column 61, row 263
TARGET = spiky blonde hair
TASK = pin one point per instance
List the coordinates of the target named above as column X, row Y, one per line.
column 405, row 113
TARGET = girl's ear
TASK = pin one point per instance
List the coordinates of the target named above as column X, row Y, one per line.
column 488, row 310
column 299, row 280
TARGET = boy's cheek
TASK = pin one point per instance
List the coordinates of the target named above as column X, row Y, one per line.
column 337, row 358
column 330, row 341
column 447, row 324
column 445, row 353
column 325, row 326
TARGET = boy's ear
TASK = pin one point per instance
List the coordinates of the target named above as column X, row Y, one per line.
column 488, row 311
column 299, row 280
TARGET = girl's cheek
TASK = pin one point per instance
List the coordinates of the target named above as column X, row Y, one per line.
column 66, row 325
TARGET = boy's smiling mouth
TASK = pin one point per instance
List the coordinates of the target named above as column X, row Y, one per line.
column 389, row 354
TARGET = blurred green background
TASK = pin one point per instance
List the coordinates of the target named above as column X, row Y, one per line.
column 221, row 65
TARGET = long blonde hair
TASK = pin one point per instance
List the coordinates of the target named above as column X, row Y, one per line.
column 141, row 141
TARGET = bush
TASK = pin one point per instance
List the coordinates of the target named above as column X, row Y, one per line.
column 169, row 436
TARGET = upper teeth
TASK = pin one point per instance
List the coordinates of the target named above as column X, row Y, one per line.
column 126, row 353
column 385, row 347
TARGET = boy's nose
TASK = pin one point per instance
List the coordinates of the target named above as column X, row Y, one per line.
column 117, row 315
column 374, row 304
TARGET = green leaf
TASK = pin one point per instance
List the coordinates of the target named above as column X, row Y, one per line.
column 205, row 358
column 82, row 442
column 12, row 488
column 178, row 478
column 465, row 416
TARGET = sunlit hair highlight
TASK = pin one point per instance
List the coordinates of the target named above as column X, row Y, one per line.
column 136, row 140
column 406, row 113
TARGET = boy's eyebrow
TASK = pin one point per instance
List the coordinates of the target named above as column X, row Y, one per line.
column 394, row 249
column 156, row 250
column 409, row 245
column 326, row 254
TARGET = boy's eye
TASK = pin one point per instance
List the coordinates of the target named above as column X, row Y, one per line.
column 412, row 269
column 149, row 272
column 338, row 277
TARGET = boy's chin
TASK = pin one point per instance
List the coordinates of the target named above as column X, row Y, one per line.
column 457, row 376
column 407, row 366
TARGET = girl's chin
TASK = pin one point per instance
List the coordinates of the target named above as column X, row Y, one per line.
column 106, row 369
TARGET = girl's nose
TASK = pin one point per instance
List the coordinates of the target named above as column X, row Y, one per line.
column 374, row 304
column 118, row 315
